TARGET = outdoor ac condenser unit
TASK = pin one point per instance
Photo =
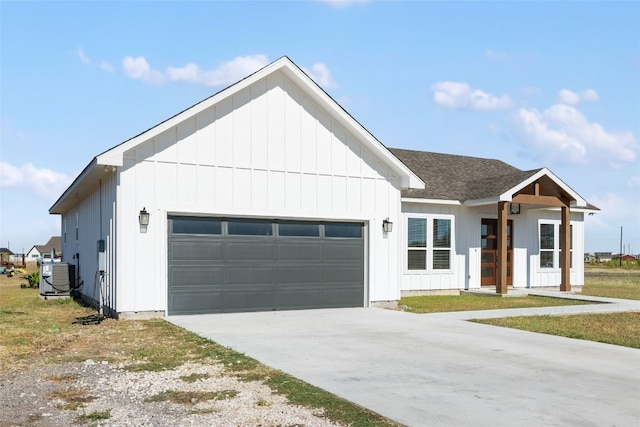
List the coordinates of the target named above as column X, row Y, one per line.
column 56, row 279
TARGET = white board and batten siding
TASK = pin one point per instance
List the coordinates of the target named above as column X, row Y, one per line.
column 453, row 278
column 267, row 151
column 93, row 218
column 465, row 268
column 546, row 277
column 526, row 246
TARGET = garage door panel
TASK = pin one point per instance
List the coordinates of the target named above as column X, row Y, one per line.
column 346, row 252
column 293, row 275
column 250, row 251
column 342, row 275
column 254, row 275
column 249, row 300
column 221, row 272
column 188, row 277
column 196, row 250
column 296, row 251
column 341, row 297
column 296, row 299
column 194, row 302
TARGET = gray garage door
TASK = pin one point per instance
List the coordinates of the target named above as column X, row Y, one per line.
column 221, row 265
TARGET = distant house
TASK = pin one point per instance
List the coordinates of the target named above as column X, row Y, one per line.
column 628, row 258
column 604, row 256
column 55, row 242
column 5, row 254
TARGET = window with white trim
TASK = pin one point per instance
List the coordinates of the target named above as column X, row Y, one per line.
column 551, row 245
column 547, row 245
column 429, row 244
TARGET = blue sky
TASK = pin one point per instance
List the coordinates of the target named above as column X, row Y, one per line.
column 534, row 84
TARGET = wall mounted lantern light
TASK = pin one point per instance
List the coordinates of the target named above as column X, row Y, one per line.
column 143, row 218
column 387, row 226
column 514, row 208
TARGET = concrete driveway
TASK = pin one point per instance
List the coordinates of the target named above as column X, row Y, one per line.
column 430, row 370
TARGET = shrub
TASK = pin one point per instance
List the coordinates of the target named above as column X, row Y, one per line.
column 33, row 279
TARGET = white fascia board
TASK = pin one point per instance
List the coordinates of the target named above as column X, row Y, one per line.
column 74, row 187
column 408, row 179
column 578, row 200
column 111, row 158
column 430, row 201
column 481, row 202
column 571, row 208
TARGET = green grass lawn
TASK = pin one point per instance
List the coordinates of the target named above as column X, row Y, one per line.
column 625, row 286
column 612, row 328
column 443, row 303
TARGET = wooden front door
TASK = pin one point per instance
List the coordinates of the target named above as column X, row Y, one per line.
column 489, row 252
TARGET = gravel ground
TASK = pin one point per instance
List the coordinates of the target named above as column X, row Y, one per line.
column 36, row 397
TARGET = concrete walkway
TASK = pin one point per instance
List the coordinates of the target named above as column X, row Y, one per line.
column 438, row 370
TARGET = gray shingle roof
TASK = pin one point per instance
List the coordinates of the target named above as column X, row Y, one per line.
column 452, row 177
column 55, row 242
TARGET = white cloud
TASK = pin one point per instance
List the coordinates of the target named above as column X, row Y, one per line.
column 234, row 70
column 568, row 97
column 83, row 58
column 460, row 96
column 618, row 209
column 562, row 135
column 28, row 177
column 105, row 66
column 189, row 73
column 320, row 74
column 612, row 205
column 11, row 175
column 227, row 73
column 139, row 69
column 634, row 182
column 343, row 3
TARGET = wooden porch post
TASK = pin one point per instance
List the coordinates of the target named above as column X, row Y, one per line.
column 501, row 285
column 565, row 253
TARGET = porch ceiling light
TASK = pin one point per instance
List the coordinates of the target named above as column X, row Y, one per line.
column 143, row 218
column 387, row 226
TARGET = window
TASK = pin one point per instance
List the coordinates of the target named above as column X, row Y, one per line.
column 547, row 245
column 429, row 243
column 299, row 229
column 417, row 243
column 344, row 229
column 196, row 226
column 551, row 245
column 249, row 227
column 77, row 224
column 441, row 244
